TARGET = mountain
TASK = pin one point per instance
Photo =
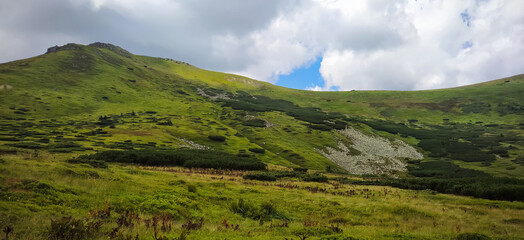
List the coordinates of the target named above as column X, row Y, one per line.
column 64, row 113
column 74, row 92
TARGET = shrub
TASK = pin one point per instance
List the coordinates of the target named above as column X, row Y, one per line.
column 257, row 103
column 257, row 150
column 314, row 178
column 261, row 176
column 254, row 123
column 321, row 127
column 245, row 209
column 217, row 138
column 93, row 163
column 69, row 228
column 274, row 175
column 29, row 145
column 519, row 160
column 265, row 211
column 472, row 236
column 300, row 169
column 190, row 158
column 508, row 189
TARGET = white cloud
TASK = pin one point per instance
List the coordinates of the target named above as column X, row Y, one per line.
column 315, row 88
column 434, row 58
column 373, row 44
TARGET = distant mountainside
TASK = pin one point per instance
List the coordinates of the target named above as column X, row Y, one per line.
column 79, row 99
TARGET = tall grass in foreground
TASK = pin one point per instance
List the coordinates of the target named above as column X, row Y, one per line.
column 40, row 193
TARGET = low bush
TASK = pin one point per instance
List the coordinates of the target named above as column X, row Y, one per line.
column 300, row 169
column 190, row 158
column 314, row 178
column 93, row 163
column 29, row 145
column 254, row 123
column 508, row 189
column 519, row 160
column 472, row 236
column 274, row 175
column 257, row 150
column 261, row 176
column 69, row 228
column 265, row 211
column 217, row 138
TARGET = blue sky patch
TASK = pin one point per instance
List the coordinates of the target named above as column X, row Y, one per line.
column 302, row 78
column 465, row 17
column 467, row 44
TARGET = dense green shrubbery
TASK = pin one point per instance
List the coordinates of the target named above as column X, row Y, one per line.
column 314, row 178
column 300, row 169
column 519, row 160
column 93, row 163
column 190, row 158
column 444, row 142
column 262, row 176
column 472, row 236
column 217, row 138
column 477, row 107
column 446, row 177
column 258, row 150
column 73, row 229
column 244, row 101
column 265, row 211
column 254, row 123
column 443, row 169
column 507, row 189
column 321, row 127
column 509, row 108
column 274, row 175
column 29, row 145
column 11, row 139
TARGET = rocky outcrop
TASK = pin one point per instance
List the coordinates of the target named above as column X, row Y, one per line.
column 116, row 49
column 376, row 155
column 69, row 46
column 73, row 46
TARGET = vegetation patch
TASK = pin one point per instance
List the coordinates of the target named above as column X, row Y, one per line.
column 274, row 175
column 460, row 142
column 472, row 236
column 264, row 212
column 190, row 158
column 257, row 103
column 508, row 189
column 254, row 123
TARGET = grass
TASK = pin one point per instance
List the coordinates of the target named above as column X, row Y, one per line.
column 90, row 82
column 40, row 190
column 99, row 98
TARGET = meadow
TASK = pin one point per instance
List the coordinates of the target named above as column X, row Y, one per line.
column 98, row 143
column 44, row 196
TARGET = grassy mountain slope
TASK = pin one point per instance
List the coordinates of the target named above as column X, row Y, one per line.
column 80, row 83
column 58, row 109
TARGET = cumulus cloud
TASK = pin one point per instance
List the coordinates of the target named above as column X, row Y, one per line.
column 374, row 44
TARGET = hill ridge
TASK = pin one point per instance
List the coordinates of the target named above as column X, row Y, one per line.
column 174, row 100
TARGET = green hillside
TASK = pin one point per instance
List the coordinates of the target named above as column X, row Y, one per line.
column 97, row 114
column 66, row 91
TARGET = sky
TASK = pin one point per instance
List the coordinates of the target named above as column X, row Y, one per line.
column 321, row 45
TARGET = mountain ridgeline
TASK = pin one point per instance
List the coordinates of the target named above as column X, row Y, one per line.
column 78, row 99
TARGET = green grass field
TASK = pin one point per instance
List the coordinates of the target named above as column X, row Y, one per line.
column 87, row 99
column 38, row 189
